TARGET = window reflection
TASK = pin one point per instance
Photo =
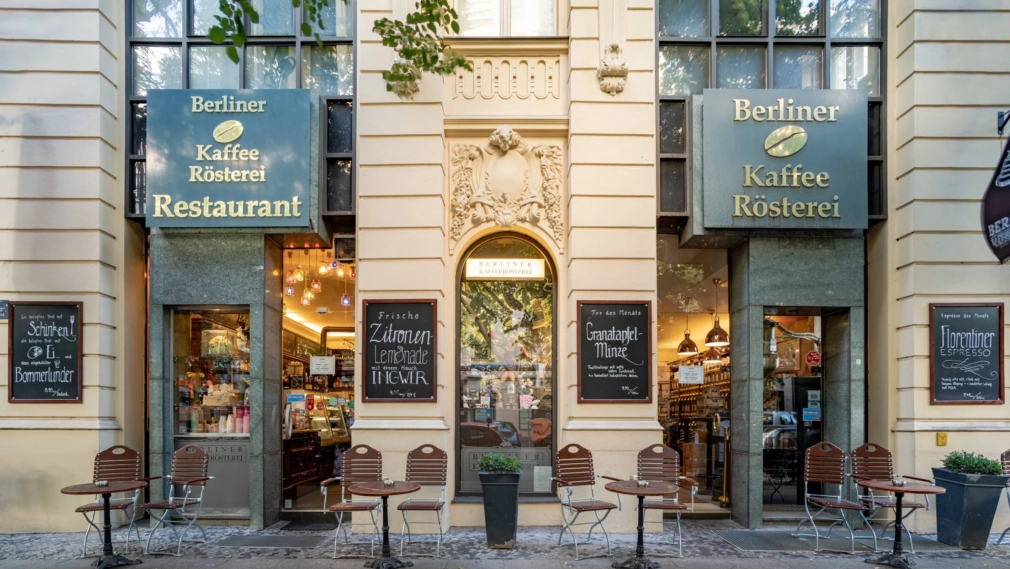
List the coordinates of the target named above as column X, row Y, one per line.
column 275, row 18
column 338, row 19
column 157, row 18
column 683, row 70
column 203, row 15
column 156, row 67
column 683, row 18
column 328, row 70
column 210, row 68
column 741, row 17
column 855, row 18
column 740, row 67
column 856, row 67
column 506, row 344
column 532, row 17
column 797, row 17
column 479, row 18
column 797, row 67
column 270, row 67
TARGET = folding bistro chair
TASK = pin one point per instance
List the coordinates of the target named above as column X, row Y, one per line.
column 114, row 464
column 360, row 463
column 824, row 463
column 873, row 462
column 427, row 465
column 189, row 472
column 575, row 468
column 660, row 462
column 1004, row 461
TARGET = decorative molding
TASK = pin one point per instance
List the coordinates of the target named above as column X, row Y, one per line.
column 506, row 181
column 974, row 425
column 613, row 425
column 399, row 425
column 475, row 126
column 506, row 47
column 506, row 77
column 613, row 70
column 60, row 424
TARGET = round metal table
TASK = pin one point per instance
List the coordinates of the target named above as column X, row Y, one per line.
column 897, row 557
column 109, row 557
column 631, row 488
column 380, row 490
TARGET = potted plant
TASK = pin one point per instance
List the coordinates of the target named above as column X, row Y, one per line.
column 973, row 485
column 499, row 479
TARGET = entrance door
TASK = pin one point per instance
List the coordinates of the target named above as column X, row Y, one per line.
column 807, row 399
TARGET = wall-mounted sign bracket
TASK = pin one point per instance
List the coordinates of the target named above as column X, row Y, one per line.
column 1002, row 117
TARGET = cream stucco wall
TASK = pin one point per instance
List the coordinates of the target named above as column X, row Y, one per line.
column 63, row 238
column 948, row 75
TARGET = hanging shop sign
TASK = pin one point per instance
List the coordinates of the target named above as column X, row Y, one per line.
column 44, row 352
column 785, row 159
column 399, row 350
column 228, row 158
column 505, row 269
column 966, row 354
column 615, row 347
column 996, row 208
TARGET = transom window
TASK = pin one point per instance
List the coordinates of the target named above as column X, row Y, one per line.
column 169, row 49
column 503, row 18
column 765, row 44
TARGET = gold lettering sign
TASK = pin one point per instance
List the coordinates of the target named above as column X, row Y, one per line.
column 165, row 207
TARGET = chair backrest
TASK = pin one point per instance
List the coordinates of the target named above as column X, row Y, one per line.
column 825, row 463
column 872, row 461
column 427, row 465
column 118, row 464
column 1004, row 460
column 575, row 466
column 190, row 463
column 360, row 463
column 659, row 462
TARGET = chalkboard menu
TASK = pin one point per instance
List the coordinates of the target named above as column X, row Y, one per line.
column 614, row 352
column 399, row 350
column 44, row 352
column 966, row 354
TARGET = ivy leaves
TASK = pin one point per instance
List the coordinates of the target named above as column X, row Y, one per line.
column 418, row 42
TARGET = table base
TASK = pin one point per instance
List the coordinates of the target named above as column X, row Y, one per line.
column 115, row 560
column 635, row 563
column 387, row 563
column 893, row 560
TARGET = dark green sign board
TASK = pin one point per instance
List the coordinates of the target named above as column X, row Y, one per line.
column 785, row 159
column 966, row 354
column 228, row 158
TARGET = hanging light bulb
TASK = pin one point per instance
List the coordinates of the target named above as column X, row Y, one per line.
column 687, row 346
column 289, row 290
column 305, row 299
column 716, row 337
column 324, row 269
column 309, row 294
column 345, row 299
column 289, row 278
column 340, row 271
column 712, row 356
column 299, row 274
column 316, row 286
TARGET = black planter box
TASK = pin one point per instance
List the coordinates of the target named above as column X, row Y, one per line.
column 501, row 508
column 965, row 512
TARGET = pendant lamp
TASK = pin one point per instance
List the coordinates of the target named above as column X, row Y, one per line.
column 716, row 337
column 712, row 356
column 687, row 347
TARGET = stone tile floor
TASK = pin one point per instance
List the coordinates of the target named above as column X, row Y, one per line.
column 534, row 543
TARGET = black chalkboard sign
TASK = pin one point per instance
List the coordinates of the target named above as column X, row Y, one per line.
column 399, row 350
column 966, row 354
column 44, row 352
column 614, row 356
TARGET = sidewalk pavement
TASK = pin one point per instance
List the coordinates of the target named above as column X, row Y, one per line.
column 464, row 548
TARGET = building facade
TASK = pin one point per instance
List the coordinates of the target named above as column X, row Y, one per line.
column 715, row 225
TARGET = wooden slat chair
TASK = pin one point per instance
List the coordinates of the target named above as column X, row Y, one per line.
column 873, row 462
column 189, row 473
column 824, row 463
column 574, row 466
column 1004, row 460
column 660, row 462
column 360, row 463
column 427, row 465
column 115, row 464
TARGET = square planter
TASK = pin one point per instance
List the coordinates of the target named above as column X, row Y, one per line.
column 965, row 512
column 501, row 508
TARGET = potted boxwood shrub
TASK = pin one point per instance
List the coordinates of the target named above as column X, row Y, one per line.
column 499, row 479
column 965, row 512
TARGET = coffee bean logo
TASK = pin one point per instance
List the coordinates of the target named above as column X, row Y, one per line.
column 228, row 131
column 785, row 141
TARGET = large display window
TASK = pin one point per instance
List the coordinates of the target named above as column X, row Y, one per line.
column 506, row 387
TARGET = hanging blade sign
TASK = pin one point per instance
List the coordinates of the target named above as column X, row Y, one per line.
column 996, row 208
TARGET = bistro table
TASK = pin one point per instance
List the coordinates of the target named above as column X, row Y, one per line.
column 109, row 557
column 379, row 490
column 897, row 557
column 631, row 488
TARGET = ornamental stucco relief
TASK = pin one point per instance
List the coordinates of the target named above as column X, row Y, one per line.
column 506, row 181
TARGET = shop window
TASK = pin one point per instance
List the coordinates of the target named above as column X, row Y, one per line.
column 730, row 44
column 693, row 363
column 319, row 299
column 507, row 18
column 506, row 361
column 169, row 50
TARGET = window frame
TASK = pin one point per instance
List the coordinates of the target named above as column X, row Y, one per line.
column 135, row 211
column 769, row 40
column 505, row 27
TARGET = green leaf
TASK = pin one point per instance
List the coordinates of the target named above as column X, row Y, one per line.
column 232, row 53
column 455, row 27
column 306, row 29
column 216, row 35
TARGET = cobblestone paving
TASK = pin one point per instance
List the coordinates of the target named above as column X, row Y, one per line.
column 700, row 541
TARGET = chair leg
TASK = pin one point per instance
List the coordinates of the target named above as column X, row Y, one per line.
column 132, row 527
column 599, row 522
column 163, row 520
column 405, row 527
column 438, row 544
column 1002, row 535
column 375, row 529
column 91, row 524
column 336, row 535
column 680, row 538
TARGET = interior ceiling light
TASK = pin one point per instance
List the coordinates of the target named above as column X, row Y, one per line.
column 716, row 337
column 712, row 356
column 687, row 346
